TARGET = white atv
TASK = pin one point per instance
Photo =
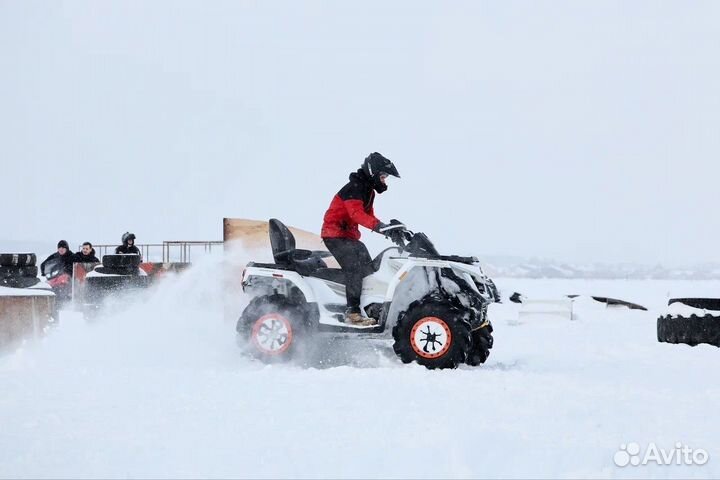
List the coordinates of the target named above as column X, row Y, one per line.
column 433, row 307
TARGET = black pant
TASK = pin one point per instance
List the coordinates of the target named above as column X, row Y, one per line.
column 355, row 261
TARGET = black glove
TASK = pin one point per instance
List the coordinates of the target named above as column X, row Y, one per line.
column 386, row 228
column 395, row 230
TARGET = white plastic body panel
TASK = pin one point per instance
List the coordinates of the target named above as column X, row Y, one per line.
column 380, row 287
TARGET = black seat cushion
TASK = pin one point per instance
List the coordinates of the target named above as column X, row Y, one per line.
column 282, row 241
column 332, row 274
column 307, row 266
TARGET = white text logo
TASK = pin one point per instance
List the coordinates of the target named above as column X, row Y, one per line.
column 632, row 454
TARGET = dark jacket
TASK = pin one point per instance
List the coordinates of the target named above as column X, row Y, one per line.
column 124, row 249
column 66, row 260
column 352, row 206
column 81, row 258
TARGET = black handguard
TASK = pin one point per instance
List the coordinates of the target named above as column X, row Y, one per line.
column 395, row 231
column 380, row 227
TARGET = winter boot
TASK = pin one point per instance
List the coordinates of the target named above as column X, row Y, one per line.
column 354, row 318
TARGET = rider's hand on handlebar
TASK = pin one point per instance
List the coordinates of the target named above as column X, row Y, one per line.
column 395, row 231
column 387, row 228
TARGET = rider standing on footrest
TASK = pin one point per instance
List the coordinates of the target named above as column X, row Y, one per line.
column 353, row 206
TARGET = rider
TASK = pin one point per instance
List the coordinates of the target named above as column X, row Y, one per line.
column 353, row 206
column 128, row 245
column 63, row 255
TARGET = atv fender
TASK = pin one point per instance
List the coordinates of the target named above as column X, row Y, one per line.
column 269, row 281
column 443, row 285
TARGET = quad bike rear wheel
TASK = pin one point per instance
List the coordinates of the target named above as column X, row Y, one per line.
column 273, row 329
column 433, row 334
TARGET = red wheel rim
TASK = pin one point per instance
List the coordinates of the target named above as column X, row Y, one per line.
column 272, row 334
column 430, row 337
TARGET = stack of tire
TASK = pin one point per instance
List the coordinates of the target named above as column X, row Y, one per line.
column 691, row 321
column 18, row 270
column 117, row 274
column 120, row 265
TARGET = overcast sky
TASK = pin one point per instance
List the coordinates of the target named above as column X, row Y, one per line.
column 583, row 131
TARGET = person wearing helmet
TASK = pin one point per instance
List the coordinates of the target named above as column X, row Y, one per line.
column 353, row 206
column 128, row 245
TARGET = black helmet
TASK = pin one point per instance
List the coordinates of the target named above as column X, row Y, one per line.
column 127, row 236
column 376, row 165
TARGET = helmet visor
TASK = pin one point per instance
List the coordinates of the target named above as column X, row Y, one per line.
column 389, row 170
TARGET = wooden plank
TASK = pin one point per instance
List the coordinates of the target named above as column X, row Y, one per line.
column 24, row 317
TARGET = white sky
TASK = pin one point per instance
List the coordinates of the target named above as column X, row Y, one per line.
column 577, row 130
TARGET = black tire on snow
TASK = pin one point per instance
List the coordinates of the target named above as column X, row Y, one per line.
column 273, row 329
column 17, row 259
column 433, row 334
column 692, row 330
column 121, row 261
column 7, row 272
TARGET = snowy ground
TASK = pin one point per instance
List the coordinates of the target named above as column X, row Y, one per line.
column 161, row 391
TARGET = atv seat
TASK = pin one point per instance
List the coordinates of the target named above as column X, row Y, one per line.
column 287, row 256
column 306, row 262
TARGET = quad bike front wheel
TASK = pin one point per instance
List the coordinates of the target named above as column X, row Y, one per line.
column 482, row 342
column 432, row 334
column 272, row 329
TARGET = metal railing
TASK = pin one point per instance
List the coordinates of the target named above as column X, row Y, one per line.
column 186, row 248
column 168, row 251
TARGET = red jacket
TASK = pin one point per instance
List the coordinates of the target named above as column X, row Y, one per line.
column 352, row 206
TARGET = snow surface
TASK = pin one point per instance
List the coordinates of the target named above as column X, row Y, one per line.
column 678, row 309
column 162, row 391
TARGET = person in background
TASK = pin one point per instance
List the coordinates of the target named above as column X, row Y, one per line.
column 86, row 254
column 63, row 256
column 128, row 245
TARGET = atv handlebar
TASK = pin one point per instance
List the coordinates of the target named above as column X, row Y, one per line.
column 406, row 239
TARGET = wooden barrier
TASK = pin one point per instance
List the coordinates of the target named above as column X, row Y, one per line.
column 253, row 234
column 24, row 313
